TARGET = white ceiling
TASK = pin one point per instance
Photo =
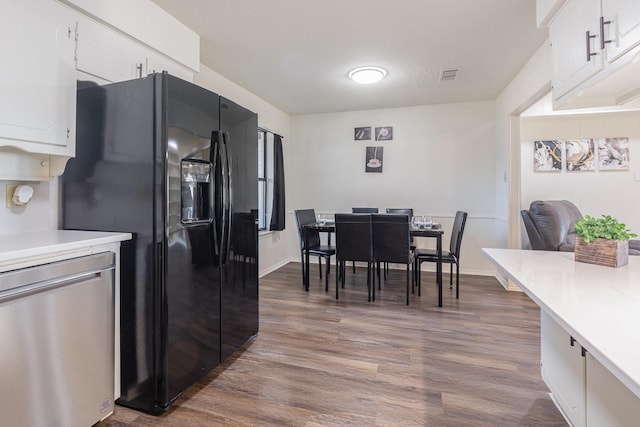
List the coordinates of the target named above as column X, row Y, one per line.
column 296, row 54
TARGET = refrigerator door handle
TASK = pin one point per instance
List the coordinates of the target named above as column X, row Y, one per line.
column 222, row 208
column 229, row 198
column 221, row 202
column 217, row 213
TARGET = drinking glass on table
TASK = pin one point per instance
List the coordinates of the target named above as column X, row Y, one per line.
column 321, row 220
column 427, row 221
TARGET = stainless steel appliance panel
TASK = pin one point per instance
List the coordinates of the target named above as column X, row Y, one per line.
column 57, row 329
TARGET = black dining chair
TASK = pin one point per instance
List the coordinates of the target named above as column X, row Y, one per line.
column 400, row 211
column 451, row 257
column 391, row 242
column 362, row 211
column 353, row 243
column 308, row 216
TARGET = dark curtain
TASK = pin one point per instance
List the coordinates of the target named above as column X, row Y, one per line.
column 277, row 212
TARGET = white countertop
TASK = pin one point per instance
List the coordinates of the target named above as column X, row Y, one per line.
column 599, row 306
column 40, row 243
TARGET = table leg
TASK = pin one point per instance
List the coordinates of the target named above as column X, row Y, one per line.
column 439, row 269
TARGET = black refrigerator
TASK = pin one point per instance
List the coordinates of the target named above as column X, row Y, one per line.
column 176, row 166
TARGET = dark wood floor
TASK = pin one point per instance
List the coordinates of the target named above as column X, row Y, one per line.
column 321, row 362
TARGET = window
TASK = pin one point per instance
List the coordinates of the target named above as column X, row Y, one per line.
column 265, row 178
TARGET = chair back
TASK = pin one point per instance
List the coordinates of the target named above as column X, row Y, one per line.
column 550, row 224
column 456, row 234
column 364, row 210
column 353, row 237
column 535, row 239
column 401, row 211
column 391, row 238
column 304, row 217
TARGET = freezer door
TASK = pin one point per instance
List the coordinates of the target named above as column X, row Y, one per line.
column 192, row 300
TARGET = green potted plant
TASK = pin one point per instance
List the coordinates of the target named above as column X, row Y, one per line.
column 602, row 241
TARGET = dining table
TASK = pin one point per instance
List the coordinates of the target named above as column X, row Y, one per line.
column 435, row 231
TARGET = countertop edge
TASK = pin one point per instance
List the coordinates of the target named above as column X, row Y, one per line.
column 39, row 243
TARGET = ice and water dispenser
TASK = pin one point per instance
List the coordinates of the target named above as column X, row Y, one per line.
column 196, row 191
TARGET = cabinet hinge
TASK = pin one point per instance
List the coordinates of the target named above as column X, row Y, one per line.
column 584, row 352
column 68, row 133
column 75, row 38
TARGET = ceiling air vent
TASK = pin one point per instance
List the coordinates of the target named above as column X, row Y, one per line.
column 448, row 74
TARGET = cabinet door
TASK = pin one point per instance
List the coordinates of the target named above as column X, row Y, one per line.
column 623, row 28
column 37, row 82
column 609, row 402
column 563, row 369
column 104, row 53
column 570, row 45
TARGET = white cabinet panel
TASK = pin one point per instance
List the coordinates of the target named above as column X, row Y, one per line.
column 563, row 369
column 609, row 402
column 114, row 57
column 623, row 28
column 146, row 22
column 107, row 54
column 571, row 47
column 37, row 83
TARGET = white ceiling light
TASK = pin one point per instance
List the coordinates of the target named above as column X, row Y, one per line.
column 367, row 75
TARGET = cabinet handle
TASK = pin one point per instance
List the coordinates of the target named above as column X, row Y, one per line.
column 603, row 42
column 572, row 341
column 589, row 54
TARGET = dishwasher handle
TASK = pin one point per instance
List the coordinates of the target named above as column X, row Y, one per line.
column 28, row 281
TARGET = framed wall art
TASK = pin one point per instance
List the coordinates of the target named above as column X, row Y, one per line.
column 373, row 159
column 362, row 134
column 384, row 133
column 579, row 155
column 547, row 156
column 613, row 153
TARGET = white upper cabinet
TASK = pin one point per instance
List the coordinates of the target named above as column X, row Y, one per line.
column 166, row 44
column 104, row 53
column 574, row 36
column 112, row 56
column 620, row 27
column 595, row 46
column 37, row 80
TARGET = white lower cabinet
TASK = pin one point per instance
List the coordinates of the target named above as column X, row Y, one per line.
column 609, row 402
column 563, row 369
column 585, row 391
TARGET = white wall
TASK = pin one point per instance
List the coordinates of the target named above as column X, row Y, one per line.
column 441, row 159
column 528, row 86
column 275, row 247
column 594, row 192
column 39, row 215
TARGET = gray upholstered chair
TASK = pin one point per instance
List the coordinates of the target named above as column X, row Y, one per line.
column 550, row 226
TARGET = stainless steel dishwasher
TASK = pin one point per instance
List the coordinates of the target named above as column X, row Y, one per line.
column 57, row 343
